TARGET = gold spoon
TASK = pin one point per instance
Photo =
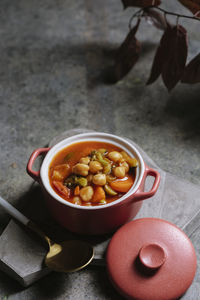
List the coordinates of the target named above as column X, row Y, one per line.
column 67, row 256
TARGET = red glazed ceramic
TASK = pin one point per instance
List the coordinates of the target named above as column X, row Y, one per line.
column 151, row 259
column 94, row 219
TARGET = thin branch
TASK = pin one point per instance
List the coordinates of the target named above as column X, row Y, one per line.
column 166, row 12
column 137, row 14
column 175, row 14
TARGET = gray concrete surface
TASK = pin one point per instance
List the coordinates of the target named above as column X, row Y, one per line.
column 53, row 55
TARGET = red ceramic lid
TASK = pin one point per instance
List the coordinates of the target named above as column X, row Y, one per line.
column 151, row 259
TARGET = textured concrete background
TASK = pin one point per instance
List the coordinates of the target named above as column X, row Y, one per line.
column 53, row 55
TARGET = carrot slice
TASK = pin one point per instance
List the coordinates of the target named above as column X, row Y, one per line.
column 63, row 190
column 98, row 195
column 122, row 186
column 77, row 190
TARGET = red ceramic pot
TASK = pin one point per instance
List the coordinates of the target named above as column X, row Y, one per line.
column 94, row 219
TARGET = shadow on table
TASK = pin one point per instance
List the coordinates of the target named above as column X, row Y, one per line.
column 100, row 62
column 104, row 285
column 98, row 58
column 47, row 287
column 185, row 106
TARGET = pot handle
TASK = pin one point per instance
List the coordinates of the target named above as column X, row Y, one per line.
column 35, row 174
column 140, row 194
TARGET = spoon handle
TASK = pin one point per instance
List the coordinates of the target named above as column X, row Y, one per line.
column 33, row 227
column 11, row 210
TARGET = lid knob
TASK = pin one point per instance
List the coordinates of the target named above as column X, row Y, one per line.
column 152, row 256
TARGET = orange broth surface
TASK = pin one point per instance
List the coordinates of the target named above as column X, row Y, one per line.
column 71, row 156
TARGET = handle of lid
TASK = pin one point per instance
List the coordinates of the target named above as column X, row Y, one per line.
column 140, row 194
column 152, row 256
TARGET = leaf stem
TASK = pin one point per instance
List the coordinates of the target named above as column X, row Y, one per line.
column 137, row 14
column 175, row 14
column 166, row 12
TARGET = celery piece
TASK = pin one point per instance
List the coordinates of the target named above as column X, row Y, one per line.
column 82, row 181
column 68, row 156
column 101, row 160
column 109, row 191
column 133, row 163
column 102, row 151
column 103, row 201
column 110, row 178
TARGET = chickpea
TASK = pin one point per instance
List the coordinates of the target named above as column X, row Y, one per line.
column 99, row 179
column 114, row 156
column 119, row 172
column 81, row 169
column 125, row 165
column 77, row 200
column 84, row 160
column 95, row 167
column 86, row 193
column 89, row 178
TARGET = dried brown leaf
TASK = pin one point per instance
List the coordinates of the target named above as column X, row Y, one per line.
column 140, row 3
column 127, row 54
column 170, row 57
column 192, row 5
column 174, row 65
column 192, row 71
column 160, row 56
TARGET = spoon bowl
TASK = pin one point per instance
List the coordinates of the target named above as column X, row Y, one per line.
column 69, row 256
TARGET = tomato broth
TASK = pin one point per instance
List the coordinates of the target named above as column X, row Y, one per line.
column 92, row 173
